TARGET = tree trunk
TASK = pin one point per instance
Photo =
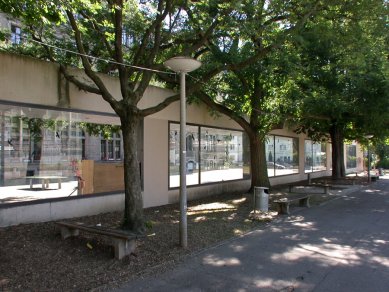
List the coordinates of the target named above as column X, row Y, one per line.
column 133, row 210
column 338, row 169
column 259, row 177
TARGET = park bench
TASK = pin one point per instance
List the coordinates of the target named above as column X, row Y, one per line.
column 45, row 180
column 123, row 242
column 283, row 203
column 326, row 187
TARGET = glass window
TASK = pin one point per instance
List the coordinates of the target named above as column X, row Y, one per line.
column 351, row 158
column 281, row 155
column 192, row 155
column 286, row 155
column 222, row 155
column 315, row 156
column 16, row 35
column 36, row 144
column 111, row 148
column 270, row 156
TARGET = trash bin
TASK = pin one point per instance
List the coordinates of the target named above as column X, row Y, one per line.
column 261, row 199
column 381, row 171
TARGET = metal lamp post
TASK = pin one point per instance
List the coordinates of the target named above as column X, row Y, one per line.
column 183, row 65
column 368, row 137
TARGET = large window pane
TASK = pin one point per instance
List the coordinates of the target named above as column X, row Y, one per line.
column 308, row 156
column 319, row 156
column 351, row 158
column 270, row 161
column 315, row 156
column 286, row 155
column 224, row 155
column 221, row 155
column 46, row 147
column 192, row 155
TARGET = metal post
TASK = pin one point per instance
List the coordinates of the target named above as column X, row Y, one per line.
column 183, row 204
column 183, row 65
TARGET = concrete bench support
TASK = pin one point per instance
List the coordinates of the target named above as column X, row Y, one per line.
column 124, row 243
column 283, row 204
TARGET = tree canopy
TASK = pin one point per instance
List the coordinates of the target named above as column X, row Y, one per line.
column 344, row 80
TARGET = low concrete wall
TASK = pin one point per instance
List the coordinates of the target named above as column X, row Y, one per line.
column 61, row 208
column 203, row 191
column 87, row 205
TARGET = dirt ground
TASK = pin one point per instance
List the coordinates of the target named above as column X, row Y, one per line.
column 33, row 257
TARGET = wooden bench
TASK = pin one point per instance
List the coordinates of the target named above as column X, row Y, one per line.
column 123, row 242
column 326, row 187
column 283, row 203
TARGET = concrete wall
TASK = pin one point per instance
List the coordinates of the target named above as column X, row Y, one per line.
column 57, row 209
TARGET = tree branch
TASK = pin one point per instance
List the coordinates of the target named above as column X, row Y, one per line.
column 206, row 99
column 160, row 106
column 88, row 68
column 118, row 24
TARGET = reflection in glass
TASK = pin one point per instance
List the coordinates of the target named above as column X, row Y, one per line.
column 192, row 155
column 221, row 155
column 315, row 156
column 351, row 158
column 282, row 155
column 41, row 144
column 286, row 155
column 270, row 156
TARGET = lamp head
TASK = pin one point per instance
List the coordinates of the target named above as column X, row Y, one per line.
column 182, row 64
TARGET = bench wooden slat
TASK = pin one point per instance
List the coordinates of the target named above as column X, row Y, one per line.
column 100, row 230
column 122, row 241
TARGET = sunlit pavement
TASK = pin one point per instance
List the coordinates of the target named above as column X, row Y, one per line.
column 22, row 193
column 342, row 245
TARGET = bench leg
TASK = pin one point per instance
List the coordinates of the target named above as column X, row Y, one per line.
column 326, row 190
column 283, row 208
column 30, row 183
column 123, row 247
column 304, row 202
column 68, row 232
column 59, row 183
column 290, row 188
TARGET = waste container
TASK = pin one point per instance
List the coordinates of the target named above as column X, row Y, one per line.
column 261, row 199
column 381, row 171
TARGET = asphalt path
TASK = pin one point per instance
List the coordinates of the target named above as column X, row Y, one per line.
column 342, row 245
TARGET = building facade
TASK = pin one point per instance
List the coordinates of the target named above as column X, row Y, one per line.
column 44, row 122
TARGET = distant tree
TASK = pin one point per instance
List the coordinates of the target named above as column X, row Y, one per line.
column 345, row 83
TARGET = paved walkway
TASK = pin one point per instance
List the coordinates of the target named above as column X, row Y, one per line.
column 340, row 246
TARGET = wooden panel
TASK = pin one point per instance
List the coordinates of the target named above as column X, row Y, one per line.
column 87, row 170
column 108, row 177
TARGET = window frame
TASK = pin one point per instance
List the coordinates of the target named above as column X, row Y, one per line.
column 16, row 34
column 273, row 136
column 312, row 166
column 199, row 127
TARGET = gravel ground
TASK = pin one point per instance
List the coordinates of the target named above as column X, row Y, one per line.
column 33, row 257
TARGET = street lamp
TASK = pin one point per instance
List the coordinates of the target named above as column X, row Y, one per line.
column 183, row 65
column 368, row 137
